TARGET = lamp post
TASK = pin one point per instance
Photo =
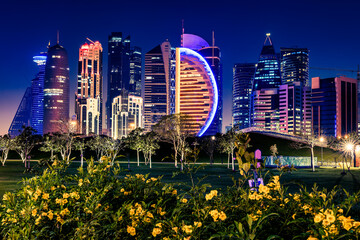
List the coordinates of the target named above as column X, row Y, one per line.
column 350, row 147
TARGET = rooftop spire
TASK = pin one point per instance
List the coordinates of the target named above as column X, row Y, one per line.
column 182, row 33
column 268, row 40
column 57, row 39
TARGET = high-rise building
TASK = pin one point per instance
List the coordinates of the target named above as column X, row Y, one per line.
column 37, row 93
column 159, row 84
column 212, row 55
column 266, row 109
column 23, row 114
column 135, row 72
column 127, row 112
column 267, row 74
column 56, row 90
column 88, row 99
column 243, row 75
column 293, row 107
column 294, row 65
column 196, row 93
column 124, row 70
column 334, row 106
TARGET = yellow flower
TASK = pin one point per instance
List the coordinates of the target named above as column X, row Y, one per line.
column 340, row 211
column 175, row 229
column 252, row 196
column 60, row 220
column 312, row 238
column 122, row 190
column 254, row 217
column 131, row 230
column 326, row 222
column 174, row 192
column 66, row 195
column 75, row 195
column 293, row 216
column 23, row 212
column 214, row 214
column 222, row 216
column 147, row 220
column 258, row 197
column 347, row 226
column 156, row 231
column 333, row 230
column 184, row 200
column 356, row 224
column 33, row 212
column 286, row 200
column 64, row 212
column 187, row 229
column 159, row 225
column 5, row 197
column 80, row 182
column 153, row 205
column 197, row 224
column 150, row 215
column 120, row 218
column 132, row 211
column 52, row 188
column 323, row 195
column 50, row 215
column 45, row 196
column 264, row 189
column 330, row 218
column 37, row 221
column 166, row 238
column 318, row 218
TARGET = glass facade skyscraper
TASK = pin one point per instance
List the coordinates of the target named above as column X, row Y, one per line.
column 124, row 70
column 243, row 75
column 294, row 65
column 56, row 89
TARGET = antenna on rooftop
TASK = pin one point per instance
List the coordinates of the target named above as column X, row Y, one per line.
column 90, row 40
column 57, row 39
column 182, row 34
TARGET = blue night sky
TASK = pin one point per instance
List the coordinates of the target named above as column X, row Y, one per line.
column 330, row 29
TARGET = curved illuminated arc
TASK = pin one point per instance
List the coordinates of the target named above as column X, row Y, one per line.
column 188, row 51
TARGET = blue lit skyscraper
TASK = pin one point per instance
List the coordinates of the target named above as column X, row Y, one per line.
column 267, row 74
column 294, row 65
column 37, row 92
column 243, row 75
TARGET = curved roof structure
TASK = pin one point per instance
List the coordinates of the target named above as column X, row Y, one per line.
column 196, row 90
column 193, row 42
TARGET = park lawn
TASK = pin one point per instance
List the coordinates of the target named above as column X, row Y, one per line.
column 218, row 175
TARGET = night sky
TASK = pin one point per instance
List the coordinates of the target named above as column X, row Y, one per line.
column 330, row 29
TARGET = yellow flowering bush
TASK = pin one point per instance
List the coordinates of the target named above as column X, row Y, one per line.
column 106, row 203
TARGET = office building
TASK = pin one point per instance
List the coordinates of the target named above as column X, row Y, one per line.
column 37, row 93
column 159, row 84
column 127, row 112
column 266, row 109
column 243, row 75
column 294, row 65
column 196, row 93
column 124, row 70
column 334, row 106
column 88, row 99
column 56, row 90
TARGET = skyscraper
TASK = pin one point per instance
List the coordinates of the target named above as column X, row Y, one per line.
column 127, row 112
column 56, row 89
column 159, row 84
column 334, row 106
column 243, row 75
column 196, row 93
column 37, row 93
column 88, row 104
column 267, row 79
column 294, row 65
column 124, row 70
column 23, row 114
column 212, row 55
column 267, row 74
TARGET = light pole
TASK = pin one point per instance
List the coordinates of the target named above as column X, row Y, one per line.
column 350, row 147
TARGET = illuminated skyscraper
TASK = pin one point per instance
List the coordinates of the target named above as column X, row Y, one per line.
column 37, row 93
column 243, row 75
column 56, row 89
column 196, row 93
column 334, row 106
column 267, row 74
column 159, row 84
column 294, row 65
column 126, row 114
column 88, row 104
column 212, row 55
column 124, row 70
column 265, row 100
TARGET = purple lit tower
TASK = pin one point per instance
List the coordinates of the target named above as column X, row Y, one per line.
column 56, row 89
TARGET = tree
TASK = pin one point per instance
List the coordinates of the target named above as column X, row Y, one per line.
column 244, row 158
column 79, row 145
column 174, row 130
column 6, row 143
column 24, row 143
column 227, row 145
column 49, row 145
column 112, row 148
column 97, row 144
column 309, row 142
column 208, row 145
column 134, row 141
column 149, row 146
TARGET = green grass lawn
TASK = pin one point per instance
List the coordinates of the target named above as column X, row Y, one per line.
column 217, row 175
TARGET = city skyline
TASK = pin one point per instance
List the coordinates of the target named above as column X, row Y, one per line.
column 331, row 41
